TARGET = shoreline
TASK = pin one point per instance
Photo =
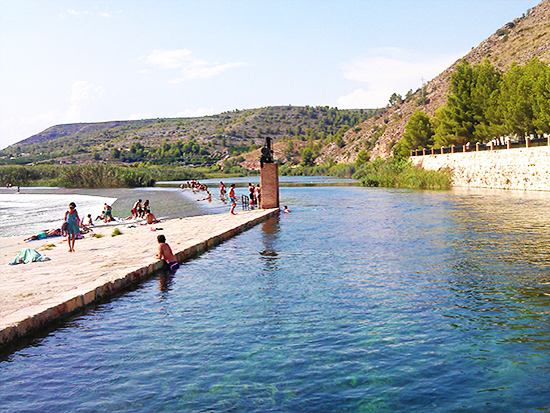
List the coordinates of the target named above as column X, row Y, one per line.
column 36, row 294
column 166, row 203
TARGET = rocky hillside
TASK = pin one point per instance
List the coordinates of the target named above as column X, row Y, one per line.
column 234, row 137
column 517, row 41
column 186, row 141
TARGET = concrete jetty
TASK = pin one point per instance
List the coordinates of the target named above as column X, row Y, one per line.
column 36, row 294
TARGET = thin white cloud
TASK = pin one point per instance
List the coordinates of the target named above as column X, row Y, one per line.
column 85, row 100
column 169, row 59
column 75, row 13
column 190, row 66
column 82, row 94
column 386, row 71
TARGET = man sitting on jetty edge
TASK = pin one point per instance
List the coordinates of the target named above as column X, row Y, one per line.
column 165, row 253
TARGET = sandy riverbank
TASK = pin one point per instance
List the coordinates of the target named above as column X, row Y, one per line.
column 30, row 289
column 35, row 209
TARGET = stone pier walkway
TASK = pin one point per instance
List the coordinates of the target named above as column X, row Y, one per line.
column 33, row 295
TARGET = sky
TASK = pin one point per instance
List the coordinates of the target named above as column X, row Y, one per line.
column 69, row 61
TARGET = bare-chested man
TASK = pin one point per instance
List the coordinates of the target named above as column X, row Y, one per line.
column 165, row 253
column 232, row 199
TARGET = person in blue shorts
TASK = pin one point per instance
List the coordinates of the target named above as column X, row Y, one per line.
column 165, row 253
column 232, row 199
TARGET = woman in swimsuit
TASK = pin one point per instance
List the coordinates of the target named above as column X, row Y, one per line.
column 258, row 195
column 251, row 194
column 108, row 213
column 72, row 220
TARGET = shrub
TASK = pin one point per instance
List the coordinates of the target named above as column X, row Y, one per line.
column 399, row 173
column 93, row 176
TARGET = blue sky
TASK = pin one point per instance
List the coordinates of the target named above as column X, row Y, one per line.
column 67, row 61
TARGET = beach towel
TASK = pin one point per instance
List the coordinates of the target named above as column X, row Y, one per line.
column 27, row 255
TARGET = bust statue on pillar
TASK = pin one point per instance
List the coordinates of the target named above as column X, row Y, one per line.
column 269, row 177
column 267, row 152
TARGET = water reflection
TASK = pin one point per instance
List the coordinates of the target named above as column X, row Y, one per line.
column 165, row 281
column 269, row 255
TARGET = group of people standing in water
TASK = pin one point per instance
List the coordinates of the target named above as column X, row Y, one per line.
column 254, row 193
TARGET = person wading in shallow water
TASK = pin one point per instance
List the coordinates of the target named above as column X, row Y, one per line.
column 165, row 253
column 232, row 199
column 72, row 220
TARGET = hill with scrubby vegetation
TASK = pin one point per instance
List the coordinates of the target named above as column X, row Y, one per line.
column 204, row 141
column 518, row 41
column 305, row 136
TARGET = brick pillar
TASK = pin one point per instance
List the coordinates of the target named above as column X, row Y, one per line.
column 527, row 142
column 477, row 146
column 492, row 145
column 508, row 144
column 269, row 178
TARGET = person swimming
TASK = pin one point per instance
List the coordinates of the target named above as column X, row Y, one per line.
column 207, row 198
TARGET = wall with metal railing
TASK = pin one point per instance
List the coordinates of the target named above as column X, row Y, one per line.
column 493, row 145
column 526, row 166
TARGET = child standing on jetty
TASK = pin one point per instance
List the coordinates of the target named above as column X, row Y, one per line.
column 73, row 221
column 232, row 199
column 165, row 253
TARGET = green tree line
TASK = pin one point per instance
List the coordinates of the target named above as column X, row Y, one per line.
column 92, row 176
column 484, row 103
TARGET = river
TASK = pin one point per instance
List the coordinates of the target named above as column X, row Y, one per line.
column 359, row 299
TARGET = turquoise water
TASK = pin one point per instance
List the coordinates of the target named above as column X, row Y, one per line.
column 360, row 300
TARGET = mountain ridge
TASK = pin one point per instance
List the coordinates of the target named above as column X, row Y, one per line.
column 337, row 135
column 517, row 41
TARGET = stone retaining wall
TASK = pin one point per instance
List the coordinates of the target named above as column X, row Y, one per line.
column 523, row 168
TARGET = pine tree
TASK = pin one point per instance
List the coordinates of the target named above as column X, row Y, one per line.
column 456, row 121
column 542, row 101
column 419, row 133
column 485, row 102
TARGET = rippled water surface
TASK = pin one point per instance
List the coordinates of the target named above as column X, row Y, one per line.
column 358, row 300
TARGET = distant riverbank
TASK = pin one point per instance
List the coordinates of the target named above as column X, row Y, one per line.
column 34, row 209
column 93, row 176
